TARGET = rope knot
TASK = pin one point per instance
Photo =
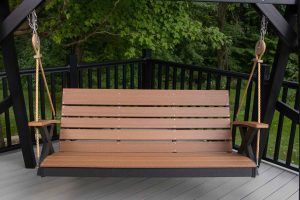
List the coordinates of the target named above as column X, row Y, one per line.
column 36, row 43
column 260, row 48
column 37, row 56
column 257, row 60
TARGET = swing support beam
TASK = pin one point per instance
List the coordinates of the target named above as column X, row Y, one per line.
column 283, row 25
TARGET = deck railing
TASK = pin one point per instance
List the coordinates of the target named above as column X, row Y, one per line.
column 283, row 141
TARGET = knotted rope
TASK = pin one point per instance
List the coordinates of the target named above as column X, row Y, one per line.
column 260, row 49
column 32, row 18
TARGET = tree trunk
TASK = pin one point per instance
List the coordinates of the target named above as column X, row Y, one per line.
column 222, row 53
column 78, row 50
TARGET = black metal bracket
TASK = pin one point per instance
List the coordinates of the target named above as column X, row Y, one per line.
column 248, row 135
column 47, row 134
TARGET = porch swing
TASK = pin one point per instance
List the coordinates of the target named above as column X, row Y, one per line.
column 146, row 133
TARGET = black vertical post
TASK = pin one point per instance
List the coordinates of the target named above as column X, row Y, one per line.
column 73, row 71
column 264, row 77
column 298, row 28
column 146, row 69
column 16, row 91
column 276, row 78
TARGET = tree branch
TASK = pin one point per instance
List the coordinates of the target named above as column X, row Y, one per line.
column 97, row 32
column 88, row 36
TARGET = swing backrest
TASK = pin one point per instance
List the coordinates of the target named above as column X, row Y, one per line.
column 114, row 120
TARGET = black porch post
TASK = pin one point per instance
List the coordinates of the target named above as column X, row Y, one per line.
column 276, row 78
column 72, row 62
column 147, row 69
column 16, row 92
column 298, row 27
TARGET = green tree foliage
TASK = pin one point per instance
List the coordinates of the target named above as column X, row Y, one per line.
column 120, row 29
column 206, row 34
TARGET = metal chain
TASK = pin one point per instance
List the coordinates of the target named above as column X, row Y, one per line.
column 33, row 21
column 263, row 27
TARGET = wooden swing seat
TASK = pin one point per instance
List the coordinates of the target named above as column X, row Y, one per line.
column 112, row 132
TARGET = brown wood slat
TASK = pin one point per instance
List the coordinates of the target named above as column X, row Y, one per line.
column 125, row 134
column 43, row 123
column 140, row 156
column 100, row 111
column 145, row 97
column 92, row 146
column 144, row 123
column 251, row 124
column 138, row 161
column 143, row 154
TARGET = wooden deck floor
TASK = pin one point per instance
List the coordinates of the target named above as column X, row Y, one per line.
column 17, row 183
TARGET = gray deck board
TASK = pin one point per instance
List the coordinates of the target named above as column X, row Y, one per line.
column 166, row 184
column 16, row 183
column 178, row 189
column 249, row 187
column 286, row 190
column 209, row 185
column 270, row 187
column 295, row 196
column 231, row 185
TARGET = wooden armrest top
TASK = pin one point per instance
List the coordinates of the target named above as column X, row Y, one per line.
column 43, row 123
column 251, row 124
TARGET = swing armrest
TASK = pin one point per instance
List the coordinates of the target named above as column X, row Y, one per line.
column 248, row 132
column 46, row 128
column 42, row 123
column 250, row 124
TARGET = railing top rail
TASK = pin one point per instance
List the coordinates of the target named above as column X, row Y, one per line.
column 109, row 63
column 204, row 69
column 291, row 84
column 32, row 71
column 234, row 74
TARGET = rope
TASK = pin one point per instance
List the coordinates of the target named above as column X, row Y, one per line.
column 38, row 57
column 32, row 18
column 37, row 134
column 259, row 112
column 260, row 49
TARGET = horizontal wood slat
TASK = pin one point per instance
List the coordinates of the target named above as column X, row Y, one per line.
column 145, row 97
column 144, row 123
column 127, row 134
column 92, row 146
column 145, row 154
column 98, row 111
column 139, row 159
column 119, row 160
